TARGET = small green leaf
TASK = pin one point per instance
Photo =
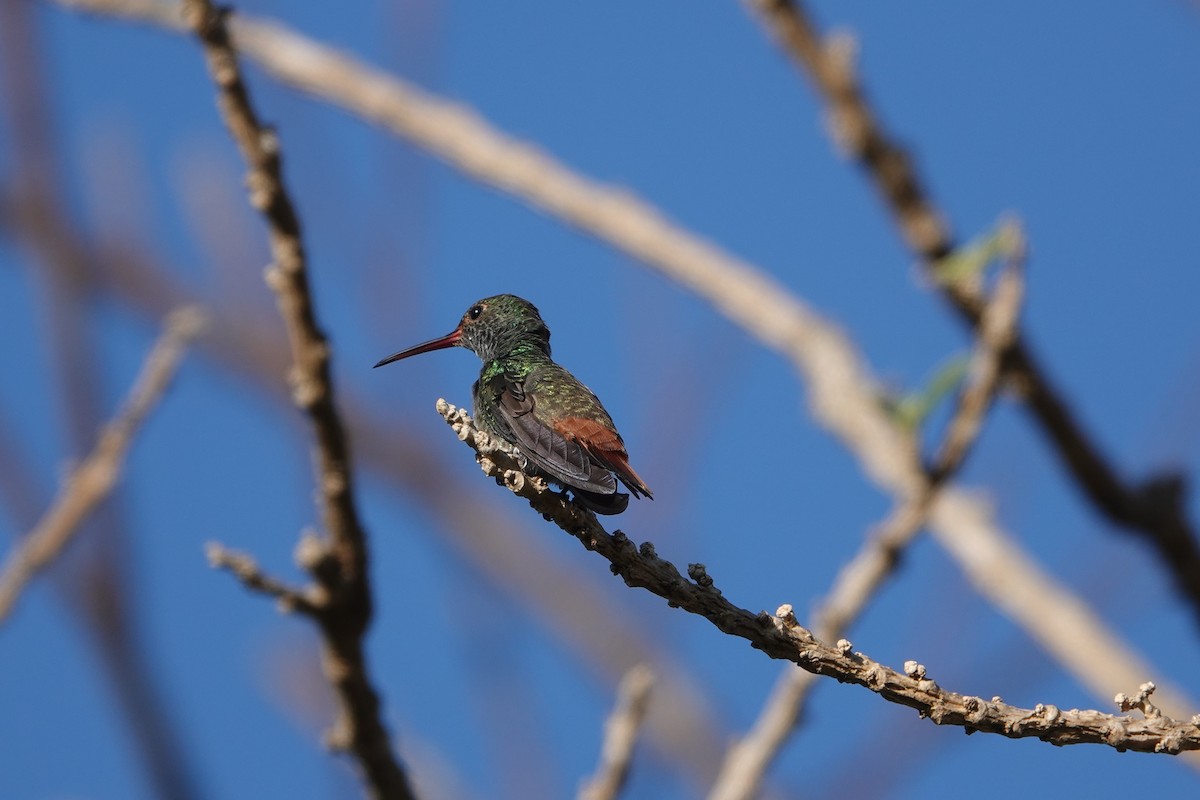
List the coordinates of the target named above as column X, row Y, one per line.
column 912, row 409
column 969, row 261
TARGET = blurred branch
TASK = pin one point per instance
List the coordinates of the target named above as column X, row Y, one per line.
column 855, row 128
column 1154, row 509
column 780, row 636
column 843, row 397
column 95, row 578
column 91, row 482
column 339, row 564
column 566, row 599
column 620, row 735
column 246, row 569
column 748, row 759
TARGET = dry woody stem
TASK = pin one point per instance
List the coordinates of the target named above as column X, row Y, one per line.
column 748, row 759
column 780, row 636
column 842, row 392
column 559, row 593
column 90, row 483
column 1154, row 509
column 339, row 563
column 620, row 734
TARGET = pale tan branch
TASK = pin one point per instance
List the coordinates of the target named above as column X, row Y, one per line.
column 748, row 759
column 1155, row 509
column 780, row 636
column 620, row 734
column 842, row 390
column 95, row 477
column 563, row 597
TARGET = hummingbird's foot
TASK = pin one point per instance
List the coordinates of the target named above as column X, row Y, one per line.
column 602, row 503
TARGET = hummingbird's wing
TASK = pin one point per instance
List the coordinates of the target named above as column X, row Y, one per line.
column 562, row 459
column 605, row 447
column 587, row 424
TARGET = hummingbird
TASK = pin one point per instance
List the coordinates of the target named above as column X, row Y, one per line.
column 525, row 398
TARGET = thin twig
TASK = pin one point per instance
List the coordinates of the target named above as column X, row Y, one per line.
column 855, row 128
column 246, row 569
column 748, row 759
column 780, row 636
column 92, row 481
column 620, row 734
column 1154, row 509
column 97, row 583
column 341, row 569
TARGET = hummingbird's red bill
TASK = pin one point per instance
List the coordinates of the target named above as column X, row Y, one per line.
column 449, row 340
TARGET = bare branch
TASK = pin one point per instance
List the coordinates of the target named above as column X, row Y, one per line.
column 246, row 570
column 780, row 636
column 842, row 394
column 620, row 735
column 747, row 760
column 1154, row 509
column 564, row 598
column 96, row 583
column 92, row 481
column 855, row 128
column 345, row 612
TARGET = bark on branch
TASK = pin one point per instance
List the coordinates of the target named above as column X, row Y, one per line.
column 843, row 393
column 747, row 760
column 780, row 636
column 1154, row 509
column 338, row 563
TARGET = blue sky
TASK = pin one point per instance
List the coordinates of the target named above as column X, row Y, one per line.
column 1081, row 123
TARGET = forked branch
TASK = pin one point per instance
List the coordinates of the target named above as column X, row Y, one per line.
column 341, row 601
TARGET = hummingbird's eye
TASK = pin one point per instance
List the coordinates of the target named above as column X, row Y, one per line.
column 475, row 312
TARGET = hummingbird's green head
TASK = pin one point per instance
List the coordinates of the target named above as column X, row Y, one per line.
column 490, row 328
column 497, row 325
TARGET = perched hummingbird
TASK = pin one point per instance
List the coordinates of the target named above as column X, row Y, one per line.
column 532, row 403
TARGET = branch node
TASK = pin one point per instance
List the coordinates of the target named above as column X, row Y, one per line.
column 1140, row 701
column 514, row 480
column 338, row 737
column 876, row 677
column 699, row 574
column 314, row 555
